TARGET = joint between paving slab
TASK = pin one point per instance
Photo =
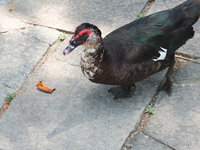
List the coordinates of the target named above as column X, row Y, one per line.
column 144, row 119
column 128, row 146
column 165, row 144
column 147, row 6
column 48, row 52
column 60, row 30
column 6, row 85
column 4, row 32
column 187, row 57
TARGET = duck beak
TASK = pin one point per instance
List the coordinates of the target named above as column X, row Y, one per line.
column 68, row 49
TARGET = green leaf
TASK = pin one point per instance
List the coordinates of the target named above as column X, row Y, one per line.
column 10, row 97
column 139, row 15
column 62, row 36
column 10, row 2
column 149, row 110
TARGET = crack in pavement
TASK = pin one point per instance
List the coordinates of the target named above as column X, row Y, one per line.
column 60, row 30
column 75, row 65
column 46, row 55
column 134, row 138
column 6, row 85
column 17, row 29
column 187, row 57
column 35, row 38
column 189, row 84
column 4, row 32
column 147, row 6
column 163, row 143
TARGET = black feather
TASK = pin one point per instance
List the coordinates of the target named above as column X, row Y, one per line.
column 141, row 40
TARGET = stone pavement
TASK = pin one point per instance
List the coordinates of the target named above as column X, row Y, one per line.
column 81, row 115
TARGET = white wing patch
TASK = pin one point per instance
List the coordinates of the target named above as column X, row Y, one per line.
column 162, row 53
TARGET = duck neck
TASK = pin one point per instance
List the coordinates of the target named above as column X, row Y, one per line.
column 92, row 57
column 94, row 44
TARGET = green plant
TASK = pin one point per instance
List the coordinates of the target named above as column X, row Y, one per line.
column 149, row 110
column 139, row 15
column 62, row 36
column 10, row 97
column 10, row 2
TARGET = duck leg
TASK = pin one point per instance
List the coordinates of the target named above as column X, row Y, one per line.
column 123, row 91
column 166, row 85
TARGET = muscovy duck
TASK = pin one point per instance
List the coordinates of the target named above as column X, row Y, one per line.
column 136, row 50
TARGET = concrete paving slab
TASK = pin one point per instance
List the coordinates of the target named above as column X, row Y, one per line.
column 188, row 74
column 108, row 15
column 42, row 34
column 191, row 48
column 176, row 122
column 8, row 22
column 20, row 52
column 78, row 115
column 15, row 71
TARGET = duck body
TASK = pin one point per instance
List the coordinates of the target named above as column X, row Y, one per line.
column 103, row 70
column 136, row 50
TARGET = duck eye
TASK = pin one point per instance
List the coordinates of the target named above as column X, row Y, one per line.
column 84, row 34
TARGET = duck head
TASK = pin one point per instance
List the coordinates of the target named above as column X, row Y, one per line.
column 80, row 36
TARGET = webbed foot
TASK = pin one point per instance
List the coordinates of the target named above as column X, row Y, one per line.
column 166, row 86
column 122, row 91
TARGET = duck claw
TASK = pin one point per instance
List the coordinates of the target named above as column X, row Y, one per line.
column 167, row 86
column 122, row 91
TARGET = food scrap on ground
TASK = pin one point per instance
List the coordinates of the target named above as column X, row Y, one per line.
column 41, row 86
column 12, row 8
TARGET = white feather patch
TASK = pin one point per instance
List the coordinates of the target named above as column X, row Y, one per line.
column 89, row 69
column 91, row 50
column 163, row 54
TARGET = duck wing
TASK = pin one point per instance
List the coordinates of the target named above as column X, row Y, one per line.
column 154, row 37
